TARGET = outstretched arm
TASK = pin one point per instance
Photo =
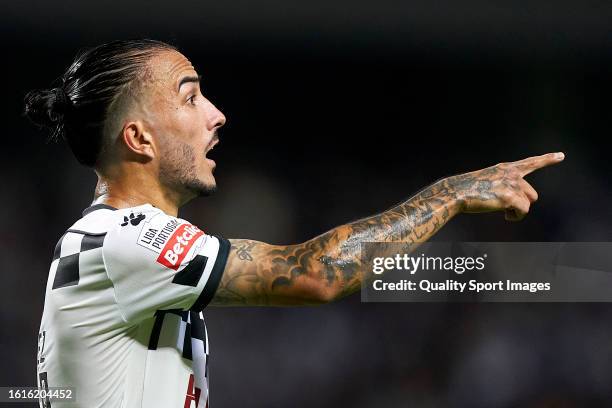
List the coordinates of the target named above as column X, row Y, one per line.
column 328, row 267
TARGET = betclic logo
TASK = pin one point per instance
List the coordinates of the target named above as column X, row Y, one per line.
column 179, row 245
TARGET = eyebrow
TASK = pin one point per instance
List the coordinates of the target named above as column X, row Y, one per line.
column 187, row 79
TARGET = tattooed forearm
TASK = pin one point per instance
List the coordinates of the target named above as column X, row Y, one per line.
column 329, row 266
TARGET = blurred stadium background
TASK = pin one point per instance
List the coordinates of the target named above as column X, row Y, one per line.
column 338, row 110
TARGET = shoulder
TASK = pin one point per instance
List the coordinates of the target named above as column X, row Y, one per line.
column 147, row 233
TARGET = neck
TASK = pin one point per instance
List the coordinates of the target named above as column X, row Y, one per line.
column 135, row 190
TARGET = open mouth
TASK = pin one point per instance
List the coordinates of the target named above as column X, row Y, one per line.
column 209, row 148
column 211, row 145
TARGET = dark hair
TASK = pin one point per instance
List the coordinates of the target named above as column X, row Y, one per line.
column 76, row 110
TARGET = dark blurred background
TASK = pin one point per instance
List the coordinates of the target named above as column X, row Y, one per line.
column 336, row 110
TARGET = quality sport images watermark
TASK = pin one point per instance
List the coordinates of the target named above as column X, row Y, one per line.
column 412, row 264
column 488, row 272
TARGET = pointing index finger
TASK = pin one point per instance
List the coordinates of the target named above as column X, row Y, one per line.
column 534, row 163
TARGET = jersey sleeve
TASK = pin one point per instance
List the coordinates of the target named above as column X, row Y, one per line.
column 159, row 262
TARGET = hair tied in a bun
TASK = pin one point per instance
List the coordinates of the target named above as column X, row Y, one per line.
column 62, row 101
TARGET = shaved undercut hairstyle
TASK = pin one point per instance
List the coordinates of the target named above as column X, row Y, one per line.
column 78, row 108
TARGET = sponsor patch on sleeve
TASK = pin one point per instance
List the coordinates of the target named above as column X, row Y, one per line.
column 178, row 245
column 171, row 238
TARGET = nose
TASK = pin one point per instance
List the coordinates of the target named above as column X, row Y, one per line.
column 216, row 118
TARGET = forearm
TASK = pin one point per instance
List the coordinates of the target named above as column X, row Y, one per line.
column 329, row 266
column 413, row 221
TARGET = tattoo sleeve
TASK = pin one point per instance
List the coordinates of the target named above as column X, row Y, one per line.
column 328, row 267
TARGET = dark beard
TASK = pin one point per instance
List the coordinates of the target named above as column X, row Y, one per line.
column 200, row 189
column 175, row 174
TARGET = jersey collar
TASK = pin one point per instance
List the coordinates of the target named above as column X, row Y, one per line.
column 97, row 207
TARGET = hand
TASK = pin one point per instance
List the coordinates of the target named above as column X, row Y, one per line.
column 501, row 187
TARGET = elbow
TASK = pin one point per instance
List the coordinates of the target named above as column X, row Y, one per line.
column 324, row 294
column 318, row 288
column 306, row 291
column 326, row 297
column 313, row 292
column 324, row 290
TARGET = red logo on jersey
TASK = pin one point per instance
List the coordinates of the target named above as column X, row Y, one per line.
column 178, row 245
column 193, row 394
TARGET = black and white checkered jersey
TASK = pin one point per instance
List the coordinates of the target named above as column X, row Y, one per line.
column 122, row 322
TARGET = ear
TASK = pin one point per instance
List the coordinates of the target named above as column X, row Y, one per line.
column 138, row 141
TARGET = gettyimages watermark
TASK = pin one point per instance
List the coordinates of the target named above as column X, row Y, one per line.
column 487, row 272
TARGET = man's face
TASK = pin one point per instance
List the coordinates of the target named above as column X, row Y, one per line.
column 183, row 124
